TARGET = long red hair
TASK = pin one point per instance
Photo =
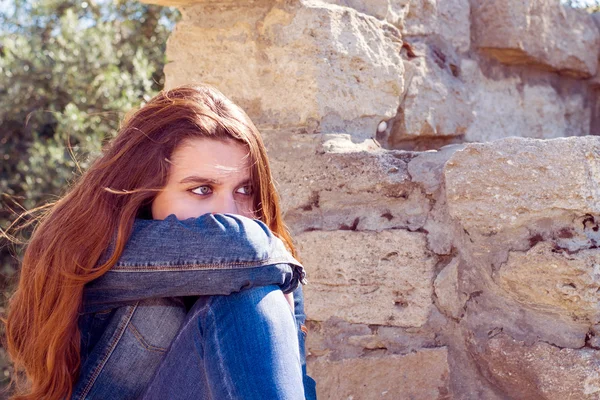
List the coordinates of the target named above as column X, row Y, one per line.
column 42, row 336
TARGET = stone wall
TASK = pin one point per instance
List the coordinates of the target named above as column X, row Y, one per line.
column 437, row 169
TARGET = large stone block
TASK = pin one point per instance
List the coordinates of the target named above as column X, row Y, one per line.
column 510, row 182
column 550, row 279
column 448, row 19
column 538, row 371
column 328, row 182
column 338, row 339
column 309, row 66
column 542, row 33
column 382, row 278
column 505, row 104
column 490, row 311
column 420, row 375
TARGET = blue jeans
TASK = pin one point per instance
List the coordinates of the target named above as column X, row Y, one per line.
column 139, row 335
column 239, row 346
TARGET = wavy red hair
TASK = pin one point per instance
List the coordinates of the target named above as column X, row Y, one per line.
column 42, row 336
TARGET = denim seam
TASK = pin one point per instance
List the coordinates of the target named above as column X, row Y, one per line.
column 143, row 341
column 194, row 316
column 196, row 266
column 111, row 347
column 190, row 319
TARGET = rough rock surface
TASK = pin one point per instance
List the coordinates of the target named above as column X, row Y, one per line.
column 507, row 183
column 336, row 189
column 314, row 67
column 339, row 339
column 436, row 102
column 512, row 104
column 541, row 33
column 421, row 375
column 554, row 279
column 447, row 293
column 539, row 371
column 351, row 271
column 342, row 62
column 448, row 19
column 392, row 11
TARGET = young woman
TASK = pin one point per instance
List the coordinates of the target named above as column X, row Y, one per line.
column 166, row 271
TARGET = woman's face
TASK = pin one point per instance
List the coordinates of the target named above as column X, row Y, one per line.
column 206, row 175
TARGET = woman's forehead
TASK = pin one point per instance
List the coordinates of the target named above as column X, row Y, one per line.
column 209, row 158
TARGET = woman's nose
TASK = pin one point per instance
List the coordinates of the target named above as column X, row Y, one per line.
column 227, row 205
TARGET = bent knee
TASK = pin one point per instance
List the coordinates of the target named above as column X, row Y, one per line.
column 255, row 298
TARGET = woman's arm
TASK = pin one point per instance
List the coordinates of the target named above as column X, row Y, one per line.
column 208, row 255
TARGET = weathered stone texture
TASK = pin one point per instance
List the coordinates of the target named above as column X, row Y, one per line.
column 312, row 67
column 539, row 371
column 351, row 271
column 338, row 187
column 448, row 19
column 506, row 105
column 421, row 375
column 392, row 11
column 447, row 292
column 427, row 168
column 554, row 280
column 541, row 33
column 338, row 339
column 507, row 183
column 489, row 310
column 342, row 62
column 465, row 272
column 436, row 102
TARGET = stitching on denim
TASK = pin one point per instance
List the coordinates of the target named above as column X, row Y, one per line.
column 143, row 341
column 193, row 267
column 119, row 333
column 183, row 328
column 189, row 320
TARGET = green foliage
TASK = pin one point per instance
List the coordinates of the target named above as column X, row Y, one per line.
column 69, row 70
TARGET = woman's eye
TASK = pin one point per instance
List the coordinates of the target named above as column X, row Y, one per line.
column 247, row 189
column 200, row 190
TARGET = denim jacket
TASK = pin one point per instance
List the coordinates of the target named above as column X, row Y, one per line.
column 164, row 262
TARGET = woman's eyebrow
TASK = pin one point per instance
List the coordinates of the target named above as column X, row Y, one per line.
column 199, row 179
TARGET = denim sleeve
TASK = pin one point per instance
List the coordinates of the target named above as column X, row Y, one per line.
column 213, row 254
